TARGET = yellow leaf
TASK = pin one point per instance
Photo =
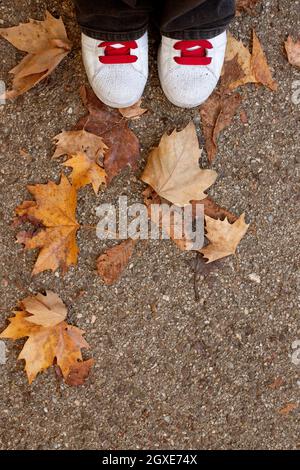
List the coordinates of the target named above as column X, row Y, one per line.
column 54, row 207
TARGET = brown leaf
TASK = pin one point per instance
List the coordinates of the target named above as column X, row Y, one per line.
column 54, row 208
column 173, row 226
column 173, row 171
column 133, row 112
column 217, row 113
column 79, row 373
column 59, row 344
column 293, row 51
column 245, row 5
column 253, row 68
column 123, row 145
column 213, row 210
column 287, row 409
column 223, row 236
column 113, row 261
column 46, row 43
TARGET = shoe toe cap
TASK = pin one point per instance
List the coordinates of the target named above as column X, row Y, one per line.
column 190, row 88
column 118, row 87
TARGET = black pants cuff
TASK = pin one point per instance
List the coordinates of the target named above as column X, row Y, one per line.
column 107, row 36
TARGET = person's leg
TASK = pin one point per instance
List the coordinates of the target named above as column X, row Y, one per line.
column 115, row 48
column 113, row 20
column 193, row 48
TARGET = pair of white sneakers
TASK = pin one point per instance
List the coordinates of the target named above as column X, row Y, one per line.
column 188, row 70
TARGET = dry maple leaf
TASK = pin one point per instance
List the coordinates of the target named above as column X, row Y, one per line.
column 173, row 171
column 113, row 261
column 253, row 68
column 123, row 145
column 60, row 343
column 223, row 236
column 85, row 150
column 216, row 114
column 54, row 207
column 85, row 171
column 293, row 51
column 133, row 112
column 46, row 43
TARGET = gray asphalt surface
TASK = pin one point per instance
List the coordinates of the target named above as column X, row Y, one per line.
column 170, row 372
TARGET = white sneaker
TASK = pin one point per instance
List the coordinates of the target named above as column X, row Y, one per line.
column 117, row 71
column 189, row 70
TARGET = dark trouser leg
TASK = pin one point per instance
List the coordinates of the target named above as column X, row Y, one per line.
column 113, row 20
column 196, row 19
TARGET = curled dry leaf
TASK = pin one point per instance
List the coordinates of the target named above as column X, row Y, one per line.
column 47, row 342
column 85, row 150
column 123, row 145
column 216, row 114
column 113, row 261
column 173, row 169
column 79, row 372
column 46, row 43
column 133, row 112
column 223, row 236
column 54, row 207
column 247, row 68
column 293, row 51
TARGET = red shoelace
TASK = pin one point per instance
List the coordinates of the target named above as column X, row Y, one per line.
column 195, row 56
column 118, row 55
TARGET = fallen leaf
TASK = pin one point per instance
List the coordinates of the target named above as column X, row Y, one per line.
column 245, row 5
column 86, row 171
column 133, row 112
column 54, row 207
column 173, row 171
column 213, row 210
column 288, row 408
column 123, row 145
column 113, row 261
column 85, row 150
column 70, row 142
column 293, row 51
column 79, row 373
column 223, row 236
column 59, row 344
column 46, row 43
column 172, row 225
column 45, row 310
column 249, row 68
column 216, row 114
